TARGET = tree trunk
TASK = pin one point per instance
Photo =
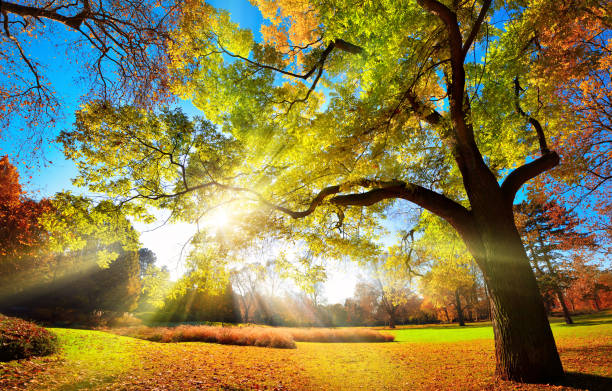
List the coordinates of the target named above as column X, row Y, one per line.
column 566, row 313
column 459, row 309
column 525, row 349
column 391, row 321
column 524, row 344
column 551, row 269
column 596, row 301
column 489, row 305
column 447, row 316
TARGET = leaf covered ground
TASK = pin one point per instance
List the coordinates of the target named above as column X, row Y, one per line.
column 423, row 358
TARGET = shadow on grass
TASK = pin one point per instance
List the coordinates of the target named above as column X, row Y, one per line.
column 585, row 381
column 587, row 323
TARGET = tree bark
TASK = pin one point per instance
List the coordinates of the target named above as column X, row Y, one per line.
column 459, row 309
column 525, row 348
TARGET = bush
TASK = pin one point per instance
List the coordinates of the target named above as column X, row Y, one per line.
column 21, row 339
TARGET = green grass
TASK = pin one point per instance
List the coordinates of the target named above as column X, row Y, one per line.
column 473, row 331
column 442, row 333
column 424, row 358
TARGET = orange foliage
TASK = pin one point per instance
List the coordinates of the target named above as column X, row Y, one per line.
column 591, row 288
column 575, row 60
column 20, row 233
column 293, row 25
column 243, row 336
column 21, row 339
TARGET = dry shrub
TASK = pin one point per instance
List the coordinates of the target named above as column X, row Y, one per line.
column 253, row 336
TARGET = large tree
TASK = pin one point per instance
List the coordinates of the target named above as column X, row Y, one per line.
column 341, row 113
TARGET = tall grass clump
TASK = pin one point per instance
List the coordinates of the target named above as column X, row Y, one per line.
column 21, row 339
column 243, row 336
column 338, row 335
column 274, row 337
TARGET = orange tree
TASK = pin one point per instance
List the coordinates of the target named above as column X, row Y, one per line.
column 21, row 235
column 342, row 112
column 574, row 58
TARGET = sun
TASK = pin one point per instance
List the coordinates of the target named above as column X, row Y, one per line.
column 218, row 218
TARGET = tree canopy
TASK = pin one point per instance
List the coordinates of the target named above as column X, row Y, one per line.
column 315, row 134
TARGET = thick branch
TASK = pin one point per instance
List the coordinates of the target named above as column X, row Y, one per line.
column 440, row 10
column 521, row 175
column 459, row 106
column 434, row 202
column 348, row 47
column 470, row 39
column 318, row 200
column 35, row 12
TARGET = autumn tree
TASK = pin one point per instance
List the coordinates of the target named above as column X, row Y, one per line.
column 118, row 47
column 197, row 305
column 552, row 240
column 425, row 101
column 22, row 237
column 392, row 281
column 362, row 306
column 591, row 286
column 448, row 277
column 573, row 58
column 246, row 281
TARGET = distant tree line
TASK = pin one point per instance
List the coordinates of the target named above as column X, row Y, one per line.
column 68, row 260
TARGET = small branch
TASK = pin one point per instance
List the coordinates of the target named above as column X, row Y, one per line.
column 534, row 122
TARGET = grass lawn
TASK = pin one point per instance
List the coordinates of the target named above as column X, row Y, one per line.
column 422, row 358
